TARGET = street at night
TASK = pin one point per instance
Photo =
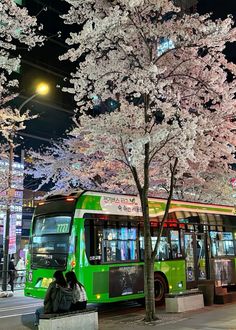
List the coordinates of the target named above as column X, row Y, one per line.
column 18, row 313
column 117, row 164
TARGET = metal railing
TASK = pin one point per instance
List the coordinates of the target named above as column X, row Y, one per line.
column 15, row 279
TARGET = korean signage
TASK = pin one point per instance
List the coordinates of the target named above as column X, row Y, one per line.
column 121, row 205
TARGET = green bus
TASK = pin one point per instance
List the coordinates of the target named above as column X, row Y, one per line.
column 100, row 236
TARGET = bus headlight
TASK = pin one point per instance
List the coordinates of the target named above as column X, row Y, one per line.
column 98, row 296
column 73, row 263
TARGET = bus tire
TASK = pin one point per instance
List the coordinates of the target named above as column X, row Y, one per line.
column 160, row 288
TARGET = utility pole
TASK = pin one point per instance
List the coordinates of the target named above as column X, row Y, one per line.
column 8, row 216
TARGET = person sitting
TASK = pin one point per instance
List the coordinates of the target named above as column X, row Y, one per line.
column 79, row 297
column 51, row 302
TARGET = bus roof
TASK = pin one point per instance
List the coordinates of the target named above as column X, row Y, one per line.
column 122, row 204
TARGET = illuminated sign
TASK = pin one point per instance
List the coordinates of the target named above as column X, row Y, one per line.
column 121, row 205
column 19, row 2
column 62, row 228
column 164, row 45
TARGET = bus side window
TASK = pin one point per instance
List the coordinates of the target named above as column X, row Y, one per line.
column 111, row 240
column 163, row 252
column 141, row 242
column 175, row 244
column 93, row 240
column 120, row 242
column 221, row 243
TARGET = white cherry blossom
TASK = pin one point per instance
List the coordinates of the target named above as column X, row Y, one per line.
column 171, row 120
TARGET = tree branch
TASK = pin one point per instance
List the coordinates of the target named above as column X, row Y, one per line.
column 172, row 184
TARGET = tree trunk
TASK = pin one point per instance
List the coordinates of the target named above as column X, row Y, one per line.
column 149, row 252
column 150, row 314
column 148, row 262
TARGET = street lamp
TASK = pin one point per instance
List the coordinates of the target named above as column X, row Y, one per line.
column 41, row 89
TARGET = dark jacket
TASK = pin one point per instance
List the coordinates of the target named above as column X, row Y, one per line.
column 11, row 269
column 50, row 298
column 11, row 266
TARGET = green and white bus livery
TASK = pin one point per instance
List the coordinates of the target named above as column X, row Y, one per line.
column 100, row 236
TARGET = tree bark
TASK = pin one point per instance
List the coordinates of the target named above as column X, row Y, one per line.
column 149, row 253
column 148, row 262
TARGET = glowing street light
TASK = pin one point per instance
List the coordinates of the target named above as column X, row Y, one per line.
column 41, row 89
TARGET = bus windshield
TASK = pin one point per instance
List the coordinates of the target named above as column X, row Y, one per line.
column 50, row 241
column 51, row 224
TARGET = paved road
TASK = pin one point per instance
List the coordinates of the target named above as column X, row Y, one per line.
column 17, row 312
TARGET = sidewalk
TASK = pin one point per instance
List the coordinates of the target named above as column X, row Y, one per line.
column 216, row 317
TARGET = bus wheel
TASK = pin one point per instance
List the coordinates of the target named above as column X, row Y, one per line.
column 160, row 289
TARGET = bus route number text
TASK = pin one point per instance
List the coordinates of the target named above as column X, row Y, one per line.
column 62, row 228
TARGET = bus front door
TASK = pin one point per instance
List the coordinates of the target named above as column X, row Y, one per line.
column 195, row 255
column 201, row 260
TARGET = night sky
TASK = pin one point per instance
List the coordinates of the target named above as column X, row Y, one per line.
column 42, row 64
column 56, row 110
column 219, row 8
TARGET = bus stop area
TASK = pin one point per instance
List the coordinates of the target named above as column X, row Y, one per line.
column 15, row 314
column 217, row 317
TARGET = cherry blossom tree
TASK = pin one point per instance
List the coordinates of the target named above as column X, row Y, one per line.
column 215, row 188
column 214, row 183
column 169, row 76
column 17, row 29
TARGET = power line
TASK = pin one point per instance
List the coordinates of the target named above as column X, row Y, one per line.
column 36, row 137
column 51, row 105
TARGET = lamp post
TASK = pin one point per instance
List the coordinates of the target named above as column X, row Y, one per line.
column 41, row 89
